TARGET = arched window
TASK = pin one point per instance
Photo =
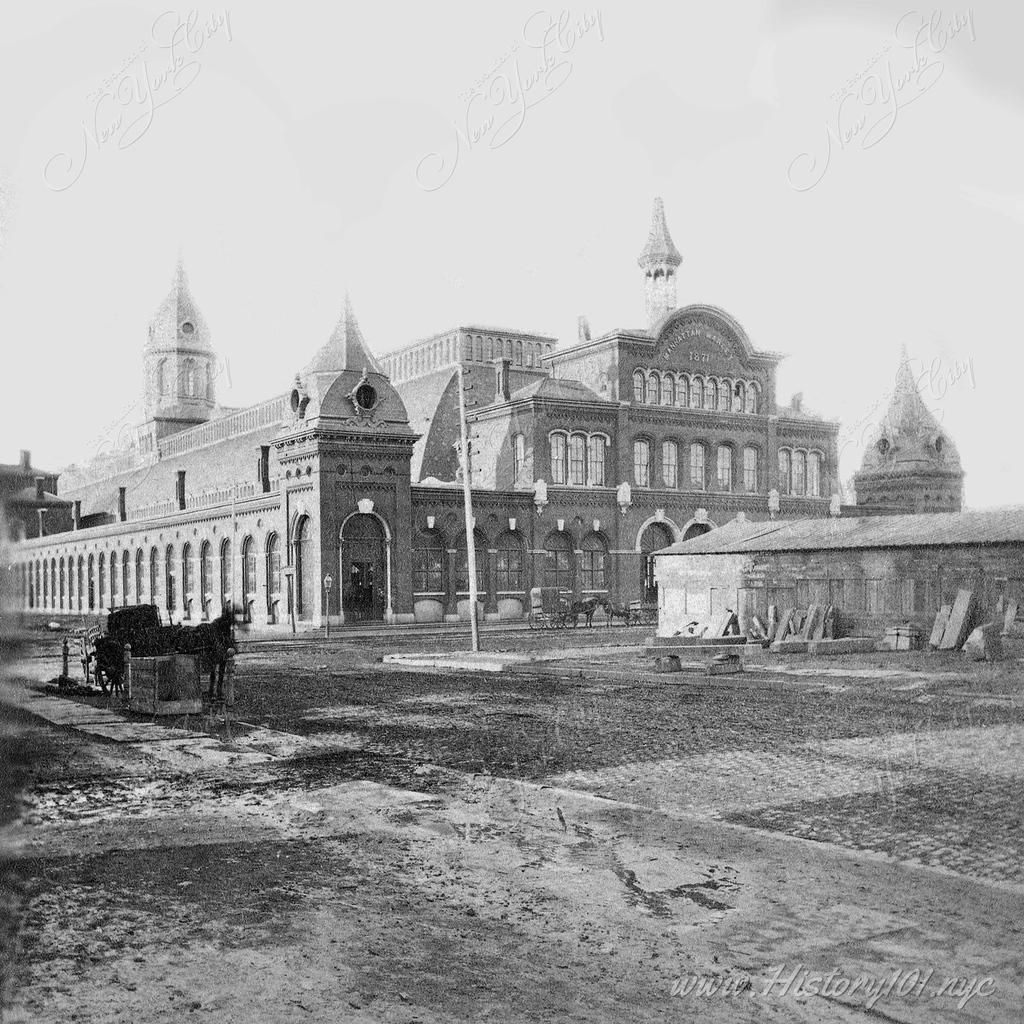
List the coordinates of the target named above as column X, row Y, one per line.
column 578, row 460
column 509, row 564
column 478, row 348
column 785, row 471
column 670, row 463
column 61, row 603
column 799, row 472
column 593, row 561
column 169, row 590
column 639, row 386
column 162, row 382
column 506, row 348
column 428, row 564
column 305, row 572
column 642, row 462
column 558, row 561
column 113, row 580
column 140, row 576
column 655, row 537
column 102, row 587
column 72, row 590
column 752, row 397
column 53, row 583
column 92, row 582
column 206, row 576
column 725, row 395
column 31, row 586
column 697, row 393
column 225, row 571
column 682, row 392
column 208, row 377
column 248, row 576
column 558, row 458
column 697, row 479
column 595, row 460
column 739, row 396
column 653, row 388
column 126, row 576
column 188, row 588
column 668, row 390
column 462, row 565
column 273, row 575
column 44, row 572
column 80, row 585
column 750, row 480
column 154, row 559
column 710, row 393
column 814, row 474
column 724, row 467
column 518, row 460
column 519, row 353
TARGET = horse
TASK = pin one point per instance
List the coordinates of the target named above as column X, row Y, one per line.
column 617, row 611
column 210, row 642
column 586, row 607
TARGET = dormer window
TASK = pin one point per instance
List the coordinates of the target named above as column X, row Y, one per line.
column 939, row 442
column 188, row 327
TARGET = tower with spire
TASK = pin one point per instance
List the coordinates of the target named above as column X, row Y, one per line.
column 659, row 260
column 910, row 464
column 179, row 362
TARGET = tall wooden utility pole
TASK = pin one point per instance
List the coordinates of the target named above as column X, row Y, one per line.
column 467, row 501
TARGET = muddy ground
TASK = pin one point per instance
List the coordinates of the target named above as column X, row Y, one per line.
column 579, row 840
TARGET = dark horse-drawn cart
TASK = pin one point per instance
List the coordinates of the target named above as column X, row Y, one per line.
column 138, row 630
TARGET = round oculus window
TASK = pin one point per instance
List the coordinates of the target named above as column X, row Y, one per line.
column 188, row 327
column 883, row 445
column 366, row 396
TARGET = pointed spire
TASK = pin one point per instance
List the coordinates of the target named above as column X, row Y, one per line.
column 659, row 248
column 346, row 348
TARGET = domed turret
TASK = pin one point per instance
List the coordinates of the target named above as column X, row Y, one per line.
column 911, row 462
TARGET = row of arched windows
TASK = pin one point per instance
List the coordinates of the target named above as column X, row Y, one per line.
column 800, row 472
column 686, row 391
column 102, row 581
column 577, row 458
column 193, row 380
column 507, row 575
column 690, row 468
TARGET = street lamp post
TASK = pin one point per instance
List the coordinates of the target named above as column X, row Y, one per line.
column 328, row 580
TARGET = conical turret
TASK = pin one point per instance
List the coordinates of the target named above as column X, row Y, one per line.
column 346, row 348
column 659, row 259
column 911, row 461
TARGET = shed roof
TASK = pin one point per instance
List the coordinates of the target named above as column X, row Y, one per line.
column 983, row 526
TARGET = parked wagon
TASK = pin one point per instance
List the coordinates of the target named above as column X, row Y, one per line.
column 549, row 608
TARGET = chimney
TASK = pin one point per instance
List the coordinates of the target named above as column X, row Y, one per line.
column 122, row 512
column 181, row 489
column 26, row 459
column 76, row 515
column 583, row 328
column 264, row 468
column 503, row 389
column 40, row 480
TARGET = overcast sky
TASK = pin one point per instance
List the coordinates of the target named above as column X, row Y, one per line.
column 299, row 151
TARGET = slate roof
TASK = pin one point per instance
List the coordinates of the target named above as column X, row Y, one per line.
column 931, row 529
column 422, row 397
column 345, row 349
column 556, row 388
column 659, row 247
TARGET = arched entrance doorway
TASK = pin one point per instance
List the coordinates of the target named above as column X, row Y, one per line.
column 655, row 537
column 363, row 569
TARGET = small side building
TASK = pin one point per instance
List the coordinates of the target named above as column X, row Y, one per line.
column 876, row 570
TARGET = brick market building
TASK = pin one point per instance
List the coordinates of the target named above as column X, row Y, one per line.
column 342, row 494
